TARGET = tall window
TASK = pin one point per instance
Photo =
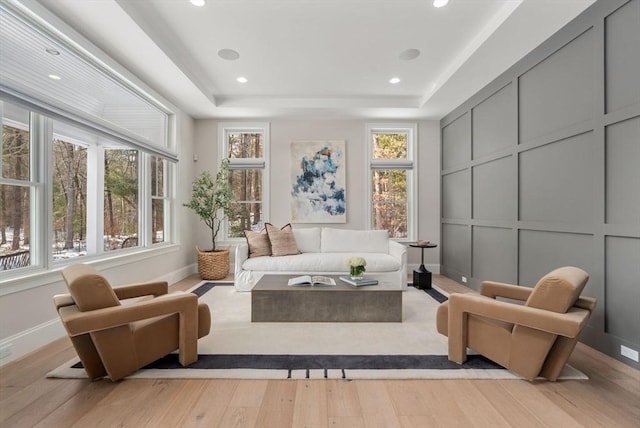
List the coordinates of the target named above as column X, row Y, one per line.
column 391, row 152
column 247, row 147
column 16, row 188
column 159, row 199
column 69, row 197
column 120, row 199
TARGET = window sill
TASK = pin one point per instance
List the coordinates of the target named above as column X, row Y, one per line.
column 38, row 277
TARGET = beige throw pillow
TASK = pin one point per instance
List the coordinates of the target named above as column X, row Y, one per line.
column 282, row 241
column 258, row 243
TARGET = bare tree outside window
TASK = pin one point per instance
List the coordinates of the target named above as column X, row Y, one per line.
column 120, row 198
column 389, row 186
column 246, row 182
column 15, row 197
column 69, row 199
column 158, row 199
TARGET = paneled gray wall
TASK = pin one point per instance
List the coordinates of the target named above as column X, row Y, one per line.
column 541, row 169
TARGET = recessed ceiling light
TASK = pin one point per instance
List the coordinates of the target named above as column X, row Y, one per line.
column 440, row 3
column 198, row 3
column 394, row 80
column 242, row 79
column 409, row 54
column 228, row 54
column 54, row 77
column 52, row 51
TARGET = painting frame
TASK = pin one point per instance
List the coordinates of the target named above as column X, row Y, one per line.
column 318, row 181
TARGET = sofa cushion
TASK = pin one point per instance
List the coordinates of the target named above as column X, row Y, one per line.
column 320, row 262
column 354, row 241
column 282, row 240
column 307, row 239
column 258, row 243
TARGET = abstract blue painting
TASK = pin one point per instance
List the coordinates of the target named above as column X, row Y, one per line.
column 318, row 193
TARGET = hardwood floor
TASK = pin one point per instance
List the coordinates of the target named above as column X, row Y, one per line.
column 611, row 398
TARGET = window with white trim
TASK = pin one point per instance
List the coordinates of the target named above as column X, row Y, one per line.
column 391, row 183
column 96, row 186
column 85, row 153
column 246, row 145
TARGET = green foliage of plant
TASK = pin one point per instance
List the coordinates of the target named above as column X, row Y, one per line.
column 212, row 199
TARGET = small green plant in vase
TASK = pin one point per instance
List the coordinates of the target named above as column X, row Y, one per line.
column 357, row 266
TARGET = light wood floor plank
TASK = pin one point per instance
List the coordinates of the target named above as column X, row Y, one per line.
column 311, row 404
column 376, row 403
column 441, row 404
column 514, row 412
column 210, row 406
column 36, row 365
column 342, row 399
column 120, row 406
column 276, row 409
column 475, row 405
column 239, row 417
column 77, row 406
column 174, row 408
column 530, row 395
column 244, row 405
column 407, row 397
column 38, row 400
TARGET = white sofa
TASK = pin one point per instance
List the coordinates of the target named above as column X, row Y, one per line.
column 324, row 251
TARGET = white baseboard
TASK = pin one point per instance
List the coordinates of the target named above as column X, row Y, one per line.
column 18, row 345
column 178, row 275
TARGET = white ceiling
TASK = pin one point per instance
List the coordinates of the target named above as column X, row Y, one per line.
column 317, row 58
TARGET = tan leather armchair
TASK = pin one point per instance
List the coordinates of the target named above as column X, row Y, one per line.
column 534, row 339
column 115, row 340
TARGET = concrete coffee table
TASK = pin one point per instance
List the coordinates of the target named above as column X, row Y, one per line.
column 272, row 300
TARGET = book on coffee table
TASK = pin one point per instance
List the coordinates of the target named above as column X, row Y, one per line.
column 359, row 282
column 308, row 280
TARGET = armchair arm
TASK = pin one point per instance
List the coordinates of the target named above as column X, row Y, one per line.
column 143, row 289
column 568, row 324
column 184, row 304
column 499, row 289
column 461, row 305
column 61, row 300
column 100, row 319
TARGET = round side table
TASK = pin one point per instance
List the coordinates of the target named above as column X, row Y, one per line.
column 421, row 276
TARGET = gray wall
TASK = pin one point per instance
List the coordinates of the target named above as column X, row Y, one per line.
column 541, row 169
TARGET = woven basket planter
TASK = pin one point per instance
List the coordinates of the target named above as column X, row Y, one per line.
column 213, row 264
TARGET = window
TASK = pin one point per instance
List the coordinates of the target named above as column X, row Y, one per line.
column 85, row 159
column 69, row 198
column 391, row 151
column 120, row 199
column 95, row 186
column 159, row 199
column 246, row 145
column 16, row 188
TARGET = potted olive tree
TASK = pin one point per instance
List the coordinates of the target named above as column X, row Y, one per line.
column 212, row 201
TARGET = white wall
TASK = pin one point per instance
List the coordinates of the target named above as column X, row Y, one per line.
column 28, row 318
column 285, row 131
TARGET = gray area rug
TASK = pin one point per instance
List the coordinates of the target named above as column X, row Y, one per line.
column 238, row 348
